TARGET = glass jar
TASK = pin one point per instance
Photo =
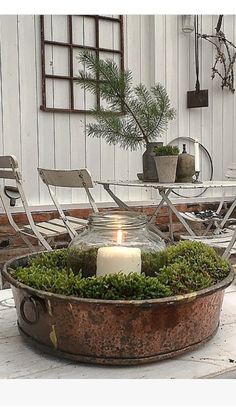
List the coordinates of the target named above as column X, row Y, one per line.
column 120, row 237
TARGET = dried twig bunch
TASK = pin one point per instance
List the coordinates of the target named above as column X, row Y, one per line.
column 225, row 56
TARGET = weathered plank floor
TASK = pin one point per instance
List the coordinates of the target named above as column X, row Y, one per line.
column 216, row 359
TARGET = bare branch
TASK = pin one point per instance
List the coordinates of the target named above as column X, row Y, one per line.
column 225, row 56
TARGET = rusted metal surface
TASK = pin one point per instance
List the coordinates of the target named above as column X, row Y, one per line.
column 116, row 332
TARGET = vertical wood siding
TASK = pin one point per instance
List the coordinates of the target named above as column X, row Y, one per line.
column 156, row 50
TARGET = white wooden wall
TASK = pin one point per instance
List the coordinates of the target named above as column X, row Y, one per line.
column 156, row 50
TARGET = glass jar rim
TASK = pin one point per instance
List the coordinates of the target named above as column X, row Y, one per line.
column 117, row 220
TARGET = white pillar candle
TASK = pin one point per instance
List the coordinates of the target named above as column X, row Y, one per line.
column 114, row 259
column 197, row 156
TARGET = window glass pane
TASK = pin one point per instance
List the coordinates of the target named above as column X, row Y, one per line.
column 62, row 60
column 78, row 30
column 61, row 94
column 89, row 32
column 60, row 28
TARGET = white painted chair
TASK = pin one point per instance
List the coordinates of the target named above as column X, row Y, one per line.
column 44, row 232
column 223, row 237
column 80, row 178
column 9, row 171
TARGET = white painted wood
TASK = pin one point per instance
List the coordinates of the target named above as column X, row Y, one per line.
column 10, row 87
column 183, row 84
column 234, row 102
column 106, row 40
column 45, row 232
column 93, row 145
column 1, row 107
column 122, row 156
column 62, row 121
column 132, row 60
column 158, row 60
column 217, row 111
column 77, row 220
column 145, row 71
column 46, row 121
column 172, row 48
column 228, row 110
column 162, row 53
column 212, row 360
column 7, row 162
column 207, row 83
column 77, row 122
column 67, row 178
column 75, row 225
column 6, row 174
column 28, row 106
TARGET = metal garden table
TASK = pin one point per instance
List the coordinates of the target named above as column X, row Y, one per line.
column 164, row 190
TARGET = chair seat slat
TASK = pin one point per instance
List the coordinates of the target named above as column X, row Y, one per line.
column 77, row 220
column 58, row 222
column 44, row 231
column 52, row 227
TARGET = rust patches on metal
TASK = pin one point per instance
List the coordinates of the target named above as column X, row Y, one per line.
column 179, row 297
column 188, row 297
column 192, row 296
column 49, row 307
column 71, row 310
column 120, row 333
column 53, row 336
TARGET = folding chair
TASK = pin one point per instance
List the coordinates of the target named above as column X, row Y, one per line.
column 222, row 237
column 80, row 178
column 9, row 171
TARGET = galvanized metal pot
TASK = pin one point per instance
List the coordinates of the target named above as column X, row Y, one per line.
column 185, row 168
column 115, row 332
column 149, row 165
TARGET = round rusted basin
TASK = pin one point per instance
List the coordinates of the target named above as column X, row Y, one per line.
column 115, row 332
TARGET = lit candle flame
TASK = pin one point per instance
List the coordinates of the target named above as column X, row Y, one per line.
column 119, row 236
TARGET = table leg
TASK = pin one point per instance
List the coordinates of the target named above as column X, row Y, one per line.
column 118, row 201
column 158, row 208
column 160, row 233
column 164, row 195
column 226, row 253
column 171, row 225
column 122, row 205
column 228, row 213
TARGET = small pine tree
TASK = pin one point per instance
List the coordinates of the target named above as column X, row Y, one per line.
column 134, row 116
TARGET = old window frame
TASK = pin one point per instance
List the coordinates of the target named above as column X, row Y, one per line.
column 70, row 45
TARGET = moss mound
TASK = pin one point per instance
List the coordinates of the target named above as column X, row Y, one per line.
column 180, row 269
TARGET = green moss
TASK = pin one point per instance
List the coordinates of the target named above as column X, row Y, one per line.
column 166, row 150
column 82, row 261
column 153, row 262
column 185, row 267
column 181, row 279
column 200, row 258
column 121, row 287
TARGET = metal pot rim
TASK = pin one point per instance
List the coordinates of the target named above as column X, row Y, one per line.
column 176, row 299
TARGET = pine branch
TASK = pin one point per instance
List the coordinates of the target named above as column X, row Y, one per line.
column 146, row 112
column 87, row 58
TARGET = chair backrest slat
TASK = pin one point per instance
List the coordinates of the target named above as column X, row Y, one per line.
column 8, row 162
column 9, row 170
column 231, row 171
column 66, row 178
column 7, row 174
